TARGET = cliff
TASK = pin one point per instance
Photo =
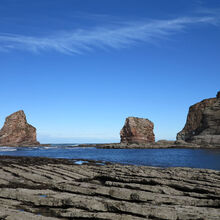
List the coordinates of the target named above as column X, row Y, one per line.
column 203, row 123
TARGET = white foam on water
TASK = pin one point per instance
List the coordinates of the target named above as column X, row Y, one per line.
column 79, row 148
column 50, row 147
column 8, row 149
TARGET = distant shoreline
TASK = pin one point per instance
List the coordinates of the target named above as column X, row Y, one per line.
column 155, row 145
column 162, row 144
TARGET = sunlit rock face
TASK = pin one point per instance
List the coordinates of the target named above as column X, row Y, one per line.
column 138, row 131
column 16, row 131
column 203, row 123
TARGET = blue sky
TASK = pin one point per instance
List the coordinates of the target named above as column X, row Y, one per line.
column 78, row 68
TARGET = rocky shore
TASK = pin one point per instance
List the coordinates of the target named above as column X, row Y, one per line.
column 162, row 144
column 43, row 188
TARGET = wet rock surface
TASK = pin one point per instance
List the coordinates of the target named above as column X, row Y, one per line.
column 137, row 130
column 41, row 188
column 203, row 123
column 16, row 131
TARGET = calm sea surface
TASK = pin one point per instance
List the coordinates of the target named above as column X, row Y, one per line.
column 196, row 158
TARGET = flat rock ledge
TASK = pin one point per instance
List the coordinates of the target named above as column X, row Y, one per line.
column 156, row 145
column 41, row 188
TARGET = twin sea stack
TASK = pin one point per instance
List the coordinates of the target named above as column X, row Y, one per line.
column 17, row 132
column 202, row 128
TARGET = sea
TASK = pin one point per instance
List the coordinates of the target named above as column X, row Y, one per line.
column 171, row 157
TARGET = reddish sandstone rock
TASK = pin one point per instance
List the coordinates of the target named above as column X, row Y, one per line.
column 203, row 123
column 137, row 130
column 16, row 131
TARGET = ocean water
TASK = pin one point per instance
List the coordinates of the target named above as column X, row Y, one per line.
column 195, row 158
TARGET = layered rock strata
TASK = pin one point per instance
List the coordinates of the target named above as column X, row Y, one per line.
column 137, row 130
column 40, row 188
column 203, row 123
column 16, row 131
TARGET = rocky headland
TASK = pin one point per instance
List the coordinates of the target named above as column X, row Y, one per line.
column 203, row 123
column 17, row 132
column 42, row 188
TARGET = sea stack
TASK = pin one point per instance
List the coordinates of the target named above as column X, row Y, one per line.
column 137, row 131
column 17, row 132
column 203, row 123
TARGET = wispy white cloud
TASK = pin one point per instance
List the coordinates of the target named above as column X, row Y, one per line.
column 111, row 36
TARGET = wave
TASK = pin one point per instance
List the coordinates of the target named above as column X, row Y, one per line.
column 79, row 148
column 50, row 147
column 8, row 149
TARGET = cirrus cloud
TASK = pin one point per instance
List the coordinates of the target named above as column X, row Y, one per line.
column 104, row 37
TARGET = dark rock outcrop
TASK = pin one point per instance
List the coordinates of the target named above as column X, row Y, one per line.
column 137, row 130
column 43, row 189
column 203, row 123
column 16, row 131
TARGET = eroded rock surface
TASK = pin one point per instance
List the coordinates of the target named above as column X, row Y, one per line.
column 203, row 123
column 137, row 130
column 40, row 188
column 16, row 131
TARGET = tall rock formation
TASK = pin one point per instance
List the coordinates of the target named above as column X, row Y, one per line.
column 16, row 131
column 203, row 123
column 138, row 131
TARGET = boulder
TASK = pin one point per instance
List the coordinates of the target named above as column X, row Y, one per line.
column 137, row 130
column 203, row 123
column 16, row 131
